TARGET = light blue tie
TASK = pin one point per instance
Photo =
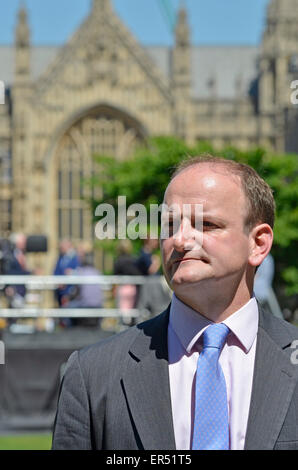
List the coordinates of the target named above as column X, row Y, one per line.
column 211, row 421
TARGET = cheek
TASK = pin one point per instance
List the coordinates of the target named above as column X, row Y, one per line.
column 211, row 243
column 226, row 246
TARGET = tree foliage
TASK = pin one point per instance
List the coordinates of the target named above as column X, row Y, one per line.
column 144, row 177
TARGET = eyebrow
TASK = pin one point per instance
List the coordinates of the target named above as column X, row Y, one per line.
column 214, row 217
column 206, row 215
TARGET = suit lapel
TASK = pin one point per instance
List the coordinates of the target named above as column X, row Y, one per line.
column 273, row 385
column 146, row 386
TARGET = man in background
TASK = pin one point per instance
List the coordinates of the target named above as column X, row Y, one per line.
column 86, row 295
column 67, row 262
column 16, row 265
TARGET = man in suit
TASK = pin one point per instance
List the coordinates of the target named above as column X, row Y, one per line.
column 146, row 388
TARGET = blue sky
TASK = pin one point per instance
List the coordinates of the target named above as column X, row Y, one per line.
column 212, row 21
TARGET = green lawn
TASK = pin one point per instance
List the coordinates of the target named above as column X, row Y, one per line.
column 26, row 442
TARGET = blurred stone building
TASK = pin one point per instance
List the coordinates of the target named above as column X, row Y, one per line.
column 103, row 92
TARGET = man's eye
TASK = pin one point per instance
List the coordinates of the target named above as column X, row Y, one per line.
column 208, row 225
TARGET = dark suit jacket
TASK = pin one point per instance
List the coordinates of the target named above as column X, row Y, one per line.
column 115, row 395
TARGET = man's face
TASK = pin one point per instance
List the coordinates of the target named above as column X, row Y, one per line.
column 65, row 246
column 21, row 242
column 223, row 251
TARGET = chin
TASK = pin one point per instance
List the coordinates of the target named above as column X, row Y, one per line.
column 190, row 279
column 187, row 273
column 186, row 280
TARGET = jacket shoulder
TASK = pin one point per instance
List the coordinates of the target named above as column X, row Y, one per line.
column 115, row 347
column 281, row 331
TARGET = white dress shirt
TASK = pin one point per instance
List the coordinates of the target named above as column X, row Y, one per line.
column 236, row 359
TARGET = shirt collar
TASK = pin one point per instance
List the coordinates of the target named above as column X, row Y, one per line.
column 189, row 324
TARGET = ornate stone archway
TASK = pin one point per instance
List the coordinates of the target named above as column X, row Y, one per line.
column 102, row 130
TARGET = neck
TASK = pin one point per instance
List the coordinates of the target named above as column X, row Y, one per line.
column 215, row 303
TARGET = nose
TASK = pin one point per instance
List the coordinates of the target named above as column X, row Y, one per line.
column 179, row 244
column 186, row 238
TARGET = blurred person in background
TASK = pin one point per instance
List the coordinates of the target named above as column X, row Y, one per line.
column 85, row 295
column 126, row 265
column 263, row 283
column 148, row 261
column 15, row 264
column 157, row 294
column 67, row 262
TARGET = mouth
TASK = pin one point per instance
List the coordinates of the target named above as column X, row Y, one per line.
column 183, row 260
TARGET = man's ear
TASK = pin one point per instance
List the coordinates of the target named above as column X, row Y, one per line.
column 261, row 239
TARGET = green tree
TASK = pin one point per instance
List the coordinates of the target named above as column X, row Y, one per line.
column 143, row 178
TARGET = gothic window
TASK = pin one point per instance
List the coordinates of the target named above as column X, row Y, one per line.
column 93, row 134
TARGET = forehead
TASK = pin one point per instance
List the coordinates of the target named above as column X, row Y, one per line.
column 212, row 186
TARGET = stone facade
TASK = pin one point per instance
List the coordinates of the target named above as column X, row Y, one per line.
column 103, row 92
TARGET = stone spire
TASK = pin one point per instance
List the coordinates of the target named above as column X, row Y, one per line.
column 22, row 44
column 22, row 35
column 181, row 53
column 182, row 31
column 181, row 74
column 282, row 9
column 282, row 17
column 101, row 5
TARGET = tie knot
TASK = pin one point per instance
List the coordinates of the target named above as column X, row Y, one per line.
column 215, row 335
